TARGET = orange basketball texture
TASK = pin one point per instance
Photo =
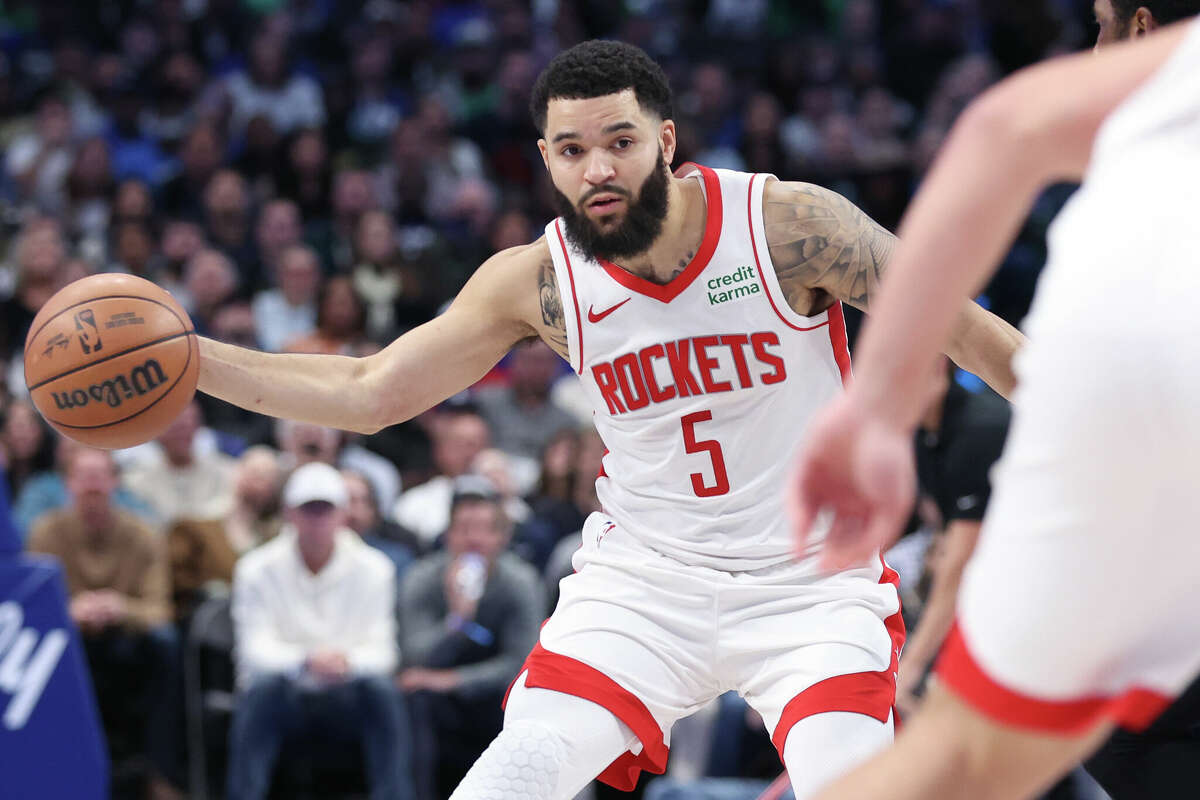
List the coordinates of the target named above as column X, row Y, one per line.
column 111, row 360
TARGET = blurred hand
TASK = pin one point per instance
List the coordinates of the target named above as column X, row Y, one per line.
column 111, row 606
column 858, row 469
column 84, row 612
column 456, row 600
column 328, row 666
column 433, row 680
column 908, row 683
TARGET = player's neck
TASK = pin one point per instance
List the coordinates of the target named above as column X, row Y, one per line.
column 682, row 231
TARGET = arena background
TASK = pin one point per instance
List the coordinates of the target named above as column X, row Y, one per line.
column 322, row 176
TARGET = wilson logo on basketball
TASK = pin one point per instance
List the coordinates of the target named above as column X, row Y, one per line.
column 115, row 391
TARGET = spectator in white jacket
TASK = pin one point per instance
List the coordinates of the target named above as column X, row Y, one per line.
column 315, row 645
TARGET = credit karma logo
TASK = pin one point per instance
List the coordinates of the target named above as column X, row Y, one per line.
column 736, row 285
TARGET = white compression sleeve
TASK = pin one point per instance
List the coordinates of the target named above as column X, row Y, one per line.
column 551, row 746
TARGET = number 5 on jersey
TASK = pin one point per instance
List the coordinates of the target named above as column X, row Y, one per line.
column 693, row 445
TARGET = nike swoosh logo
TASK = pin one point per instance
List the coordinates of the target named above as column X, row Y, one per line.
column 594, row 317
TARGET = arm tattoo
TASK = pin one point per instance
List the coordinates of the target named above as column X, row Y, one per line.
column 554, row 331
column 820, row 242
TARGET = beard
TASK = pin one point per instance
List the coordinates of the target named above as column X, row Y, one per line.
column 635, row 233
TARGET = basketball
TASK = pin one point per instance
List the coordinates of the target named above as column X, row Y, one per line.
column 111, row 360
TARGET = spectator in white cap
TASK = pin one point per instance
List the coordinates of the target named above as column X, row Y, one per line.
column 315, row 639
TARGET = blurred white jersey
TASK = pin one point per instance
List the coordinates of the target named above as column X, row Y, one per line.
column 701, row 387
column 1091, row 527
column 1136, row 209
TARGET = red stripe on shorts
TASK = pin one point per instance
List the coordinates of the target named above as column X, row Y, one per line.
column 548, row 670
column 870, row 693
column 1135, row 708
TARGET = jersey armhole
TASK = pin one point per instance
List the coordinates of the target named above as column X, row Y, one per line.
column 564, row 274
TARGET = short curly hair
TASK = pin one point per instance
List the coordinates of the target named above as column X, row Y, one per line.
column 1165, row 11
column 597, row 68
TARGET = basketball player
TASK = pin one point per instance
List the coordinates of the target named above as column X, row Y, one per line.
column 702, row 311
column 1076, row 611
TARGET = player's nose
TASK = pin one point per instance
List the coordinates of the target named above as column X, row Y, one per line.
column 599, row 168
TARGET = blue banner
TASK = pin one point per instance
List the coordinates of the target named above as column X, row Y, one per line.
column 51, row 741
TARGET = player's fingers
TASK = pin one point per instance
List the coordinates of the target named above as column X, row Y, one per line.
column 804, row 500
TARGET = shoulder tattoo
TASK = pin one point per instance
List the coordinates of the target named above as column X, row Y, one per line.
column 820, row 242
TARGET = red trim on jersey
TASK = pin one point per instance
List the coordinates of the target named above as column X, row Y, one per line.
column 837, row 340
column 602, row 473
column 1135, row 708
column 757, row 263
column 708, row 245
column 559, row 673
column 574, row 299
column 870, row 693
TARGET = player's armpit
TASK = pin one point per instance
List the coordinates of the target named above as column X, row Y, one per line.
column 823, row 246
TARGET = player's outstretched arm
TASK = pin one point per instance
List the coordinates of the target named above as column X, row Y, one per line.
column 824, row 246
column 494, row 311
column 1030, row 130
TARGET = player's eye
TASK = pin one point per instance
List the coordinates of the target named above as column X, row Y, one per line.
column 623, row 143
column 571, row 150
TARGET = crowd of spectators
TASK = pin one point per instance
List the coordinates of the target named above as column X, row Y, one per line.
column 320, row 176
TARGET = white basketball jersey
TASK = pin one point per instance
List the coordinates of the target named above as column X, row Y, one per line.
column 701, row 387
column 1130, row 233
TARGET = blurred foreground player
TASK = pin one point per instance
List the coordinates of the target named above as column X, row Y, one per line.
column 702, row 311
column 1069, row 617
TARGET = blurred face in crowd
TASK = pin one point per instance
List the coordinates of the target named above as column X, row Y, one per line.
column 458, row 439
column 201, row 152
column 134, row 247
column 278, row 227
column 267, row 55
column 477, row 526
column 182, row 77
column 41, row 251
column 361, row 514
column 494, row 465
column 54, row 121
column 181, row 240
column 177, row 439
column 511, row 229
column 308, row 154
column 91, row 170
column 133, row 201
column 353, row 194
column 256, row 482
column 91, row 480
column 316, row 524
column 226, row 197
column 210, row 279
column 376, row 239
column 307, row 443
column 607, row 158
column 341, row 310
column 533, row 368
column 234, row 323
column 299, row 275
column 23, row 432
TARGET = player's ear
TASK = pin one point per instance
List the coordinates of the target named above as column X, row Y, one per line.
column 666, row 140
column 1143, row 22
column 545, row 151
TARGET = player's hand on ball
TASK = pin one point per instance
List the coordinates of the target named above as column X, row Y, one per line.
column 857, row 469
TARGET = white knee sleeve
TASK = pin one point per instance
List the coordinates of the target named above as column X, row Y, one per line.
column 523, row 761
column 552, row 745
